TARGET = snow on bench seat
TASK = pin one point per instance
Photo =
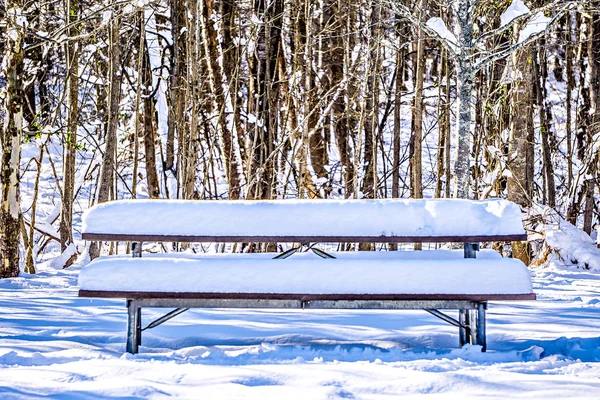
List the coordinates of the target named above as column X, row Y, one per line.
column 316, row 220
column 491, row 278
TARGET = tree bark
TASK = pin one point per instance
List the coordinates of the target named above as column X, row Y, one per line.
column 593, row 128
column 216, row 85
column 541, row 75
column 107, row 174
column 417, row 139
column 149, row 128
column 570, row 84
column 70, row 136
column 176, row 80
column 464, row 87
column 520, row 183
column 10, row 212
column 398, row 88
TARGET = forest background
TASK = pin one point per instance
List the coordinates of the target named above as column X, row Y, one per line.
column 278, row 99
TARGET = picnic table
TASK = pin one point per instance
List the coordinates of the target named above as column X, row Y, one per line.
column 428, row 280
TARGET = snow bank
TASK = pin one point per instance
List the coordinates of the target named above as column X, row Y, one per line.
column 307, row 276
column 400, row 217
column 568, row 245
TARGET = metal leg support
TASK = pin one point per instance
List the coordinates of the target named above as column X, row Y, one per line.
column 286, row 253
column 136, row 249
column 471, row 249
column 473, row 326
column 321, row 253
column 138, row 326
column 462, row 330
column 132, row 327
column 480, row 338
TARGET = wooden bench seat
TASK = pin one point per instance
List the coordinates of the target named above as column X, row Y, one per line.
column 424, row 280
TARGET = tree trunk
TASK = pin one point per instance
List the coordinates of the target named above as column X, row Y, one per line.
column 149, row 127
column 417, row 139
column 176, row 80
column 464, row 87
column 541, row 75
column 520, row 184
column 398, row 88
column 10, row 212
column 107, row 173
column 264, row 98
column 70, row 136
column 594, row 126
column 444, row 127
column 232, row 56
column 216, row 81
column 570, row 84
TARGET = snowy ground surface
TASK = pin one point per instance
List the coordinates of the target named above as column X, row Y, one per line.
column 56, row 345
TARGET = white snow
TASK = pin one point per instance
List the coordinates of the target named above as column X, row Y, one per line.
column 56, row 345
column 515, row 10
column 308, row 275
column 569, row 245
column 439, row 27
column 537, row 24
column 306, row 217
column 61, row 260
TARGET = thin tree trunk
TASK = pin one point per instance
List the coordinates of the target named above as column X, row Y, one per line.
column 176, row 80
column 569, row 89
column 582, row 127
column 447, row 129
column 70, row 136
column 594, row 126
column 398, row 88
column 441, row 126
column 138, row 101
column 107, row 174
column 417, row 139
column 232, row 60
column 541, row 75
column 519, row 181
column 216, row 85
column 149, row 127
column 30, row 257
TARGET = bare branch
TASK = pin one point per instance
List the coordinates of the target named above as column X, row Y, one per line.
column 564, row 4
column 400, row 10
column 501, row 54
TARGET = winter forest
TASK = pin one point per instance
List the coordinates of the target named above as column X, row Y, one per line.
column 278, row 99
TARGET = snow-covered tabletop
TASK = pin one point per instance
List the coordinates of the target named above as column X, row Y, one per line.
column 334, row 218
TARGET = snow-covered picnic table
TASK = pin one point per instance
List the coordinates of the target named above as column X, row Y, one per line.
column 429, row 280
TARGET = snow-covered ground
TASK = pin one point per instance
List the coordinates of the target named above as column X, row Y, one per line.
column 56, row 345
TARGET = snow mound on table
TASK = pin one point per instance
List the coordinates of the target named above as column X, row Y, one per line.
column 397, row 217
column 307, row 276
